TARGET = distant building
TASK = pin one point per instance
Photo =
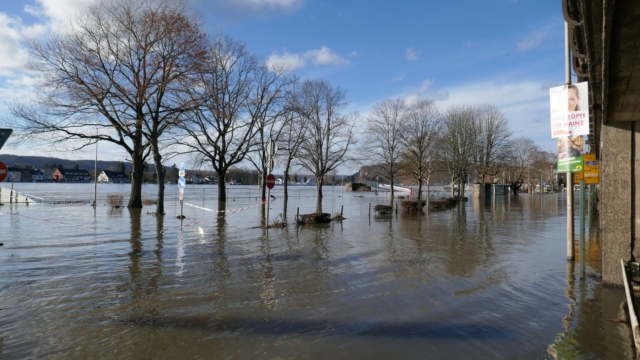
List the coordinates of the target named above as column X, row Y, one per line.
column 48, row 175
column 116, row 177
column 71, row 175
column 23, row 175
column 38, row 176
column 14, row 175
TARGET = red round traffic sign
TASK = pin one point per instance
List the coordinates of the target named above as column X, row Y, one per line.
column 3, row 171
column 271, row 181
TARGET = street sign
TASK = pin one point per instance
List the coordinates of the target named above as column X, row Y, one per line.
column 572, row 164
column 181, row 183
column 4, row 135
column 271, row 164
column 3, row 171
column 272, row 148
column 591, row 169
column 181, row 173
column 271, row 181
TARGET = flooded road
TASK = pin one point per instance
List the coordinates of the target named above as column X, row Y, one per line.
column 486, row 279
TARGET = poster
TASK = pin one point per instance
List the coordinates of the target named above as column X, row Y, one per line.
column 569, row 110
column 570, row 150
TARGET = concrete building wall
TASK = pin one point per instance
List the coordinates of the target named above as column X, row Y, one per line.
column 616, row 199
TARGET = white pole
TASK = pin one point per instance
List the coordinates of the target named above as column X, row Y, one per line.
column 570, row 230
column 95, row 174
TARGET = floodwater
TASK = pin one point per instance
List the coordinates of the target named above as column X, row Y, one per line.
column 487, row 279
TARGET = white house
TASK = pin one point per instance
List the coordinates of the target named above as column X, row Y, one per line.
column 116, row 177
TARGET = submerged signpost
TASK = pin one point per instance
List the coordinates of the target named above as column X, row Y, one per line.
column 568, row 125
column 272, row 148
column 590, row 174
column 569, row 121
column 181, row 185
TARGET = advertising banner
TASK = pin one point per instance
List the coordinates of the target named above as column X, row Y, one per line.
column 569, row 110
column 570, row 150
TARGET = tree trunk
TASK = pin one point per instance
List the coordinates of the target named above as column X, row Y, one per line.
column 419, row 189
column 428, row 190
column 392, row 192
column 319, row 188
column 222, row 188
column 160, row 175
column 286, row 186
column 263, row 185
column 137, row 175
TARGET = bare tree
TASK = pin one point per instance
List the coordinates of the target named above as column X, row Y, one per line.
column 541, row 165
column 456, row 144
column 118, row 70
column 236, row 94
column 492, row 135
column 330, row 133
column 267, row 103
column 419, row 141
column 521, row 152
column 294, row 133
column 382, row 144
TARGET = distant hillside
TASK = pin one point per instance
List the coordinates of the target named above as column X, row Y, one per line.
column 39, row 161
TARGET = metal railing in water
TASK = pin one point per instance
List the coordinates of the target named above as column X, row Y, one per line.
column 191, row 194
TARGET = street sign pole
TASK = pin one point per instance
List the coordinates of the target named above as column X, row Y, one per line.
column 181, row 185
column 570, row 230
column 582, row 229
column 272, row 148
column 271, row 180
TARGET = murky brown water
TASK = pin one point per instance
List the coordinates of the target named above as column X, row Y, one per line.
column 483, row 280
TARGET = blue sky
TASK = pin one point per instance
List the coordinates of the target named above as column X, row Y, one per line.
column 504, row 52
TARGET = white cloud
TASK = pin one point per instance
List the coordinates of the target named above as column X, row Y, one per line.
column 418, row 93
column 287, row 61
column 529, row 43
column 526, row 104
column 58, row 13
column 397, row 78
column 290, row 62
column 325, row 56
column 411, row 54
column 12, row 55
column 534, row 40
column 258, row 7
column 285, row 4
column 50, row 14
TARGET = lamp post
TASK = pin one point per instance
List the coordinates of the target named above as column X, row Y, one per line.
column 551, row 177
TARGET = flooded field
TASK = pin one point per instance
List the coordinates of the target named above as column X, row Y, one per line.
column 486, row 279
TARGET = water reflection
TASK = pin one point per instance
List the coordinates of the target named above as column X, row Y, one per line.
column 584, row 338
column 144, row 269
column 484, row 279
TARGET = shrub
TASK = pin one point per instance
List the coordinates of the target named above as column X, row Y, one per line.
column 115, row 201
column 413, row 206
column 383, row 209
column 314, row 218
